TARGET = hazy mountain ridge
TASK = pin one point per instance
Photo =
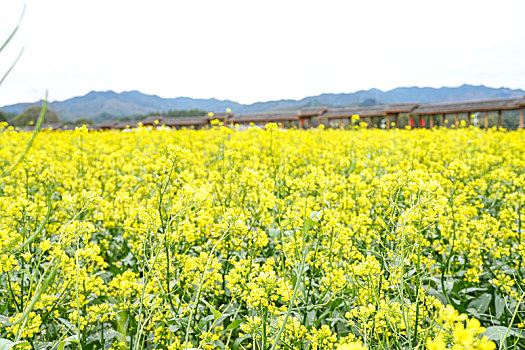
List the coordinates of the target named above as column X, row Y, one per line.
column 100, row 105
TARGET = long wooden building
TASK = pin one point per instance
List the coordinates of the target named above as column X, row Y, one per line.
column 508, row 113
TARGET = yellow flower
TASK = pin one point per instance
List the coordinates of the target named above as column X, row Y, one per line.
column 463, row 336
column 352, row 346
column 27, row 256
column 449, row 314
column 436, row 344
column 474, row 325
column 45, row 245
column 485, row 344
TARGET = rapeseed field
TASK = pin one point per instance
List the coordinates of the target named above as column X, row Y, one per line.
column 263, row 239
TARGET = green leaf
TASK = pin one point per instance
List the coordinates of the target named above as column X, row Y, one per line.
column 481, row 303
column 308, row 224
column 274, row 232
column 473, row 290
column 216, row 314
column 500, row 305
column 217, row 344
column 498, row 332
column 204, row 321
column 14, row 31
column 238, row 341
column 235, row 324
column 4, row 321
column 6, row 344
column 71, row 339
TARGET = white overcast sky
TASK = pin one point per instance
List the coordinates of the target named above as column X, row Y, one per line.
column 252, row 51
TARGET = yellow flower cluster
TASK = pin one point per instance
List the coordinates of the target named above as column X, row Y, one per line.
column 458, row 334
column 264, row 239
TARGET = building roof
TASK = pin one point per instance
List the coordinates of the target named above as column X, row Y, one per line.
column 105, row 125
column 220, row 116
column 400, row 107
column 265, row 116
column 350, row 111
column 312, row 111
column 327, row 113
column 184, row 121
column 125, row 125
column 469, row 106
column 150, row 120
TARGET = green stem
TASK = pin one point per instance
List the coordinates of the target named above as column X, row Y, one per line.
column 199, row 292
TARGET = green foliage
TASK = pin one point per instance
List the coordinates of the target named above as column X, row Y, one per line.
column 6, row 344
column 184, row 113
column 369, row 102
column 79, row 122
column 83, row 122
column 30, row 116
column 174, row 114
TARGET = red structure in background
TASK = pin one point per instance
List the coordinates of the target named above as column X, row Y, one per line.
column 378, row 116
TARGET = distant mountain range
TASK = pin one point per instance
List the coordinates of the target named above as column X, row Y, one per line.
column 105, row 105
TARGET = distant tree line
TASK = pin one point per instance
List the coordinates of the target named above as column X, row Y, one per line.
column 79, row 122
column 6, row 116
column 29, row 117
column 168, row 114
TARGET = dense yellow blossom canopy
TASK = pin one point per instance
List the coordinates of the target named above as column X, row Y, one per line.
column 263, row 238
